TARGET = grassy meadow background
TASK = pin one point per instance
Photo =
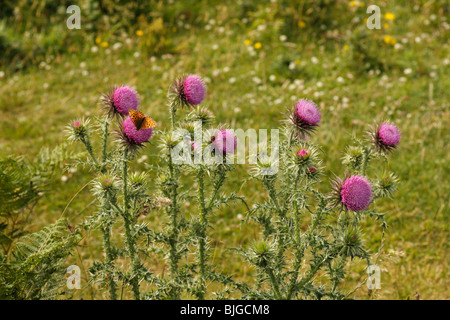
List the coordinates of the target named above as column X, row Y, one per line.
column 258, row 58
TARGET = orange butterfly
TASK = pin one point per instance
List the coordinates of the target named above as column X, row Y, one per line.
column 140, row 121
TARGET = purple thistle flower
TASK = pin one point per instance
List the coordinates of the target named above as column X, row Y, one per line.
column 136, row 136
column 125, row 98
column 194, row 89
column 119, row 100
column 308, row 112
column 389, row 134
column 131, row 138
column 385, row 136
column 187, row 91
column 305, row 118
column 225, row 141
column 356, row 193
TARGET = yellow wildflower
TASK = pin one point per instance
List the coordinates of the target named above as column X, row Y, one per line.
column 346, row 47
column 98, row 40
column 139, row 33
column 302, row 24
column 389, row 40
column 248, row 42
column 389, row 16
column 104, row 44
column 258, row 45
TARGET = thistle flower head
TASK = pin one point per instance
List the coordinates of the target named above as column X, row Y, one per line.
column 308, row 112
column 188, row 91
column 225, row 141
column 132, row 138
column 119, row 100
column 78, row 130
column 356, row 193
column 353, row 193
column 385, row 136
column 305, row 117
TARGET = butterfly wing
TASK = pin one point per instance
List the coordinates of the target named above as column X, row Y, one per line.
column 148, row 123
column 140, row 121
column 136, row 117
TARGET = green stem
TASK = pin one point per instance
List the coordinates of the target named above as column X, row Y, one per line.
column 217, row 187
column 274, row 282
column 128, row 223
column 105, row 142
column 109, row 261
column 173, row 110
column 202, row 235
column 87, row 143
column 365, row 160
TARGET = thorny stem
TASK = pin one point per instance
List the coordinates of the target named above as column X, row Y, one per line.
column 128, row 221
column 275, row 286
column 106, row 230
column 202, row 235
column 173, row 212
column 217, row 187
column 87, row 143
column 105, row 142
column 280, row 243
column 173, row 110
column 298, row 253
column 365, row 160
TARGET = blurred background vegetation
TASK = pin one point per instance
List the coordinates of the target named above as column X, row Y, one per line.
column 257, row 57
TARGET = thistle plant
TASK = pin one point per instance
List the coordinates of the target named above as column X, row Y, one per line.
column 112, row 183
column 309, row 237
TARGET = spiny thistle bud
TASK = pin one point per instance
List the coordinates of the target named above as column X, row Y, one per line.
column 105, row 185
column 202, row 114
column 187, row 91
column 354, row 193
column 189, row 127
column 385, row 186
column 262, row 253
column 119, row 100
column 78, row 130
column 169, row 140
column 353, row 157
column 305, row 117
column 385, row 137
column 350, row 243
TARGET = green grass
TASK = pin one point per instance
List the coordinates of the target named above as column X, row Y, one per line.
column 36, row 104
